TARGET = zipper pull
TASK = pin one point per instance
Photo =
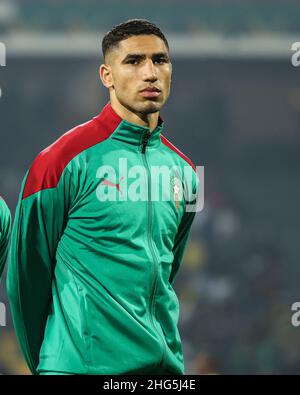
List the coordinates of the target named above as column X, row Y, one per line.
column 145, row 141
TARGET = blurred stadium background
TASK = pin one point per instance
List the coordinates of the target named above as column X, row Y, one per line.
column 234, row 108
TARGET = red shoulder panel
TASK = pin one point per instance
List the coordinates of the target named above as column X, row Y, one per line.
column 48, row 166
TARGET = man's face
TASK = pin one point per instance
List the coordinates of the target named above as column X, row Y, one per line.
column 140, row 73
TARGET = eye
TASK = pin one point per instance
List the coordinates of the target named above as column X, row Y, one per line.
column 132, row 61
column 160, row 60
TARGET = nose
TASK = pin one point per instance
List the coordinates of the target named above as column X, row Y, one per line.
column 149, row 71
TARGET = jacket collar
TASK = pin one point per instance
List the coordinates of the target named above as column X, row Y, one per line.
column 128, row 132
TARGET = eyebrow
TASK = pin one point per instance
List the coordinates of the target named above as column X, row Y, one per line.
column 143, row 56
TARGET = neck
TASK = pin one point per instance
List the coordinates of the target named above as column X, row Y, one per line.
column 148, row 120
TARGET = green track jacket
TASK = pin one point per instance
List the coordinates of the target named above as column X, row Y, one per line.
column 5, row 226
column 91, row 273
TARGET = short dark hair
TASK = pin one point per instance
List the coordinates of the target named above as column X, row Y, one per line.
column 132, row 27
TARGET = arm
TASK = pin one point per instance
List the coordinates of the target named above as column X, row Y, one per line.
column 181, row 243
column 5, row 228
column 39, row 222
column 184, row 229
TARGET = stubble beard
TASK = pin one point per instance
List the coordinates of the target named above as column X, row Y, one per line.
column 149, row 107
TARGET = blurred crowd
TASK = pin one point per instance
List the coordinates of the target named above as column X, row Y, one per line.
column 192, row 16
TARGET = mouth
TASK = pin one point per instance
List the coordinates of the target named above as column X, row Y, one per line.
column 150, row 92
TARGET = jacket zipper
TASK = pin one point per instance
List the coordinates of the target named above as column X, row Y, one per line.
column 149, row 233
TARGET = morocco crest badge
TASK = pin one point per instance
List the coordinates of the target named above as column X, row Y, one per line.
column 176, row 190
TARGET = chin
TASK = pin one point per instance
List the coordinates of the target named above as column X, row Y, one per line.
column 150, row 107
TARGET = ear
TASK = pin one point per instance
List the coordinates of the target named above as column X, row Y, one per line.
column 106, row 75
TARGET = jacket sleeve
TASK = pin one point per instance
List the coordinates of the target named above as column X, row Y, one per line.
column 39, row 222
column 5, row 228
column 184, row 229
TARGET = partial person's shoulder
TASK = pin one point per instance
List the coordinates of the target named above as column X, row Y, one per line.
column 4, row 212
column 3, row 205
column 177, row 151
column 47, row 168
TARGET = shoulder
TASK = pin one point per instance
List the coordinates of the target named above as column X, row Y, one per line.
column 3, row 205
column 48, row 166
column 177, row 151
column 4, row 211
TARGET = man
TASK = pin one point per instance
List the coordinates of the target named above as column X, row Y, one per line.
column 5, row 226
column 91, row 278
